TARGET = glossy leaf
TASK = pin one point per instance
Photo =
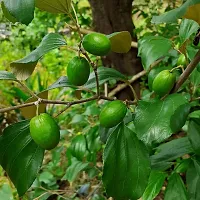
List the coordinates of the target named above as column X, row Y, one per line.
column 74, row 169
column 194, row 134
column 156, row 181
column 30, row 112
column 21, row 10
column 126, row 165
column 93, row 140
column 79, row 147
column 183, row 166
column 179, row 117
column 187, row 28
column 61, row 82
column 104, row 75
column 20, row 157
column 175, row 188
column 24, row 67
column 54, row 6
column 188, row 10
column 120, row 41
column 5, row 75
column 195, row 76
column 7, row 13
column 193, row 182
column 152, row 48
column 170, row 151
column 152, row 119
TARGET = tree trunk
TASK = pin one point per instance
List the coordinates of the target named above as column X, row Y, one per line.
column 112, row 16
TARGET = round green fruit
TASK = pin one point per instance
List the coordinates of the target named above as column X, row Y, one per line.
column 78, row 71
column 97, row 44
column 112, row 114
column 45, row 131
column 163, row 82
column 181, row 60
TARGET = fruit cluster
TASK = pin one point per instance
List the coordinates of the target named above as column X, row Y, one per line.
column 43, row 128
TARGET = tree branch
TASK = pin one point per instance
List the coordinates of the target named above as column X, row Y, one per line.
column 187, row 72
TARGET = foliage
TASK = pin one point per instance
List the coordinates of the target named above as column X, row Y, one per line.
column 155, row 145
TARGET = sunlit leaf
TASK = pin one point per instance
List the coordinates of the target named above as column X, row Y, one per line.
column 30, row 112
column 120, row 41
column 24, row 67
column 54, row 6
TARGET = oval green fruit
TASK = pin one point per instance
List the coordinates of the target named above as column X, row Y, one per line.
column 78, row 71
column 97, row 44
column 45, row 131
column 112, row 114
column 181, row 60
column 163, row 82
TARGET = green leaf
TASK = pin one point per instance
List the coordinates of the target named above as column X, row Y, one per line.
column 7, row 13
column 152, row 48
column 79, row 147
column 187, row 28
column 5, row 75
column 120, row 41
column 183, row 166
column 170, row 151
column 154, row 186
column 54, row 6
column 20, row 157
column 93, row 140
column 193, row 182
column 105, row 74
column 24, row 67
column 179, row 117
column 175, row 188
column 126, row 165
column 74, row 169
column 194, row 134
column 152, row 119
column 22, row 10
column 61, row 82
column 188, row 10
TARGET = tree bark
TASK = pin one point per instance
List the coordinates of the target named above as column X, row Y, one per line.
column 112, row 16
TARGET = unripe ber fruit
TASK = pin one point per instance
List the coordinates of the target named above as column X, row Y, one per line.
column 45, row 131
column 181, row 60
column 112, row 114
column 97, row 44
column 164, row 82
column 78, row 71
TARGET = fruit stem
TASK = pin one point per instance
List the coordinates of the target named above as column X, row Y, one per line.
column 180, row 66
column 133, row 91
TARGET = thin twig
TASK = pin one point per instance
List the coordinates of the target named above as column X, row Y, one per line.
column 133, row 91
column 187, row 72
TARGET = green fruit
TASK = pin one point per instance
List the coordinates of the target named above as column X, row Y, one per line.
column 112, row 114
column 97, row 44
column 181, row 60
column 44, row 131
column 78, row 71
column 154, row 72
column 164, row 82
